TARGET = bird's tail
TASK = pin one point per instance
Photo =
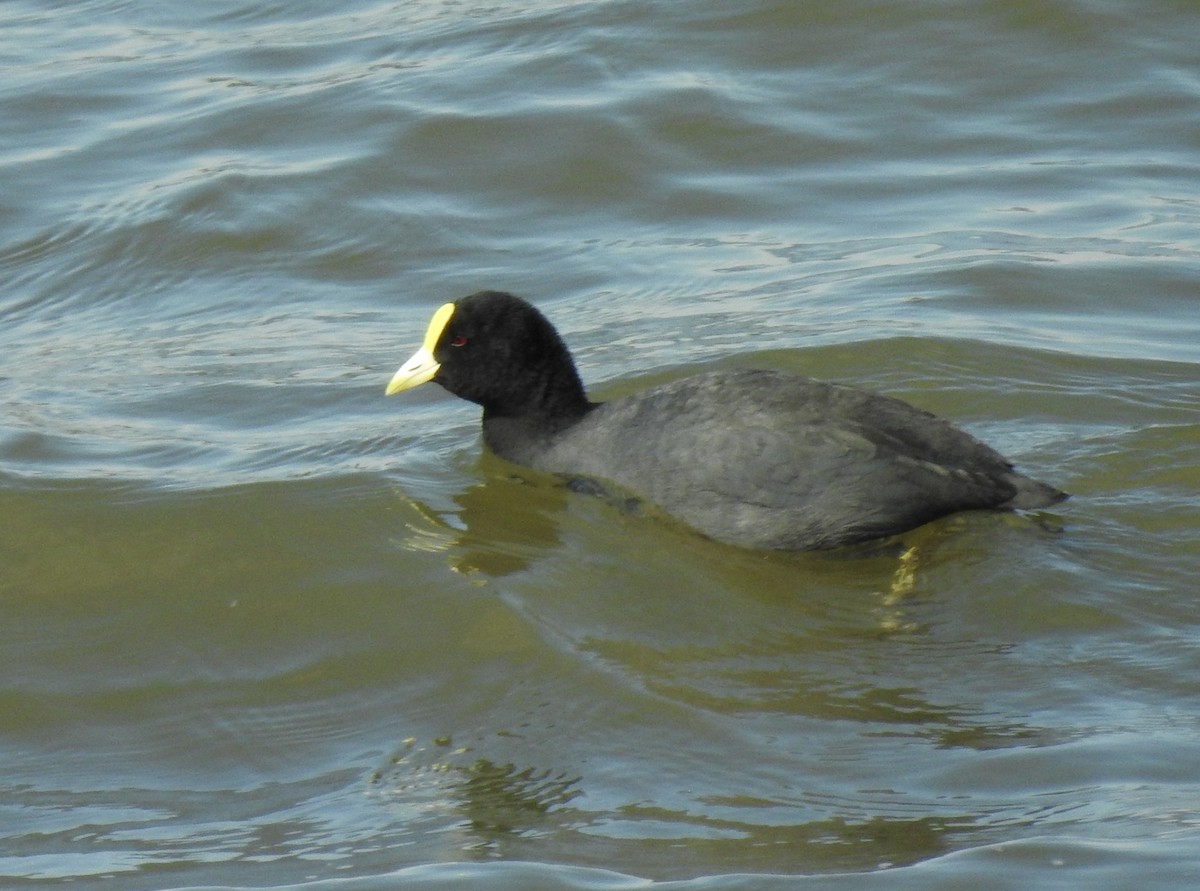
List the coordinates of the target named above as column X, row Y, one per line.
column 1032, row 494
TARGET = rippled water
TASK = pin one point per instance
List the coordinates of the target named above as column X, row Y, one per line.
column 260, row 626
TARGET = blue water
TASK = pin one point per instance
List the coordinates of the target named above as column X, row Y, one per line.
column 261, row 627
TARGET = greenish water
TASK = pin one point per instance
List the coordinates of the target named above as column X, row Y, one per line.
column 261, row 627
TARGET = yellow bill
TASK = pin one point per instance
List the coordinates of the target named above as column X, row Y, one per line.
column 422, row 366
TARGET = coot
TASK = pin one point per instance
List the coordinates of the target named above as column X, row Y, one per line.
column 761, row 459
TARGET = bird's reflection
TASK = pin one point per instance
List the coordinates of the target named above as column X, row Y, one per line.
column 502, row 525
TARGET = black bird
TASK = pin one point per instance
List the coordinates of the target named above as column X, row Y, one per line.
column 761, row 459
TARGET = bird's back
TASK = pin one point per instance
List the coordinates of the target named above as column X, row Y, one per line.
column 774, row 460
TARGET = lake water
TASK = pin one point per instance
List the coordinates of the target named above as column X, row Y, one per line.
column 262, row 627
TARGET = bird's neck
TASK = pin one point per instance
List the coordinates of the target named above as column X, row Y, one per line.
column 520, row 429
column 524, row 439
column 553, row 397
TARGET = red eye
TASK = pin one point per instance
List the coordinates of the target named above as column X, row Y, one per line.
column 458, row 341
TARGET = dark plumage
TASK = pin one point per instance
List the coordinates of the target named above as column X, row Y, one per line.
column 760, row 459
